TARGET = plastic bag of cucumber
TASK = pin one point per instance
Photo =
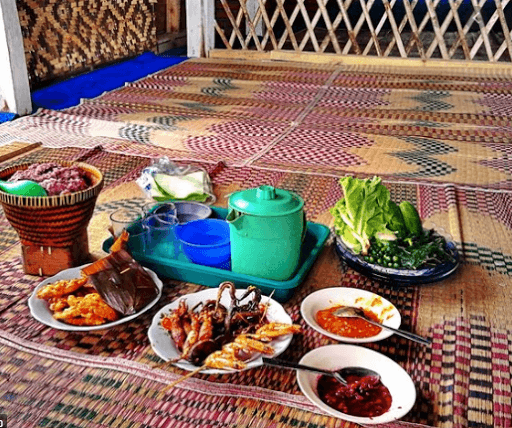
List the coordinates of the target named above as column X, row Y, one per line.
column 370, row 224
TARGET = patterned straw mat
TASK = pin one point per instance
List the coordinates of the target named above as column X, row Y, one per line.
column 104, row 378
column 440, row 141
column 447, row 127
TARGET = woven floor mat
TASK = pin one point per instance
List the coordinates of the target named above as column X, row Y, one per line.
column 105, row 390
column 441, row 141
column 466, row 315
column 331, row 120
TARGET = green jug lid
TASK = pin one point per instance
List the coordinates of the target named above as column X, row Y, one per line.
column 266, row 201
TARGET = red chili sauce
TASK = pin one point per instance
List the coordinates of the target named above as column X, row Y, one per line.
column 348, row 326
column 363, row 396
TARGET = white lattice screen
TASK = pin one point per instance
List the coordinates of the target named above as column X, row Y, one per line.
column 471, row 30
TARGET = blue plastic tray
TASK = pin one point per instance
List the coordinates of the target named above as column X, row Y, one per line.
column 184, row 270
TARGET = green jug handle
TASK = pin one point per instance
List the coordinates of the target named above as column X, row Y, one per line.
column 304, row 227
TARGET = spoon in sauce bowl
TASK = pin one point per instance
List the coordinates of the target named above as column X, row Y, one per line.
column 339, row 375
column 350, row 311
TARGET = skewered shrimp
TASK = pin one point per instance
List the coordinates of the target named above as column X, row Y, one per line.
column 270, row 331
column 240, row 331
column 249, row 344
column 234, row 354
column 223, row 359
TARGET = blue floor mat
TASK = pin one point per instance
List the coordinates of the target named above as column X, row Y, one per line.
column 68, row 93
column 6, row 117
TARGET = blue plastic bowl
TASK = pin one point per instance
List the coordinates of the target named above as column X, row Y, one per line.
column 206, row 241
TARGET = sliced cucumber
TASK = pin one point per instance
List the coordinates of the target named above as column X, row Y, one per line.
column 180, row 187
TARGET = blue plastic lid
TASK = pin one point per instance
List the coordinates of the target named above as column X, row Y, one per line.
column 266, row 201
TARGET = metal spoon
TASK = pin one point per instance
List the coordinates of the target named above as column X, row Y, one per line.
column 23, row 188
column 336, row 374
column 350, row 311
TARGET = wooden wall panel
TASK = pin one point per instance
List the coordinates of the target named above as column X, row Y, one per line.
column 66, row 37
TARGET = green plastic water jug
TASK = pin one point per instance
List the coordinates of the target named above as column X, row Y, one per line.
column 267, row 226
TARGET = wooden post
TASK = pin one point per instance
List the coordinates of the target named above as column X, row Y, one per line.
column 209, row 25
column 193, row 28
column 13, row 69
column 200, row 27
column 173, row 16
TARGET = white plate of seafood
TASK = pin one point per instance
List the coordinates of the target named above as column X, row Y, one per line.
column 240, row 327
column 40, row 308
column 316, row 309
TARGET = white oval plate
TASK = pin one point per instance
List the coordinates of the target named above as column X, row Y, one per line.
column 329, row 297
column 164, row 347
column 40, row 311
column 335, row 357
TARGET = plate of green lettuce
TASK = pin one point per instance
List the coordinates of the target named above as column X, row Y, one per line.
column 385, row 240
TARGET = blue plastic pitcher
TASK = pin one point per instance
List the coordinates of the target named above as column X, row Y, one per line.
column 266, row 226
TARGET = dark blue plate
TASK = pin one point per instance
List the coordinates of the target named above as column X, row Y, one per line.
column 399, row 277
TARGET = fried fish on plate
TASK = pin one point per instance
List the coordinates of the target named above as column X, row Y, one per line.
column 110, row 288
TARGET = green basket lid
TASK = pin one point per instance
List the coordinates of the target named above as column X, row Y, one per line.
column 266, row 201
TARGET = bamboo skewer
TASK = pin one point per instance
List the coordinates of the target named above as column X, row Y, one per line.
column 166, row 364
column 181, row 379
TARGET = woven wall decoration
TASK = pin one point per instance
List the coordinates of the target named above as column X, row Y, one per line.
column 66, row 37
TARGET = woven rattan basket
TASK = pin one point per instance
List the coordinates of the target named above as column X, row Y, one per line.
column 52, row 229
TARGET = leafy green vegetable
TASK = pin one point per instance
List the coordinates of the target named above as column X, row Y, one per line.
column 371, row 224
column 411, row 218
column 425, row 250
column 394, row 218
column 365, row 211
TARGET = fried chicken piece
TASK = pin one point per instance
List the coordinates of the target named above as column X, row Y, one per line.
column 86, row 310
column 89, row 320
column 61, row 288
column 87, row 288
column 58, row 304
